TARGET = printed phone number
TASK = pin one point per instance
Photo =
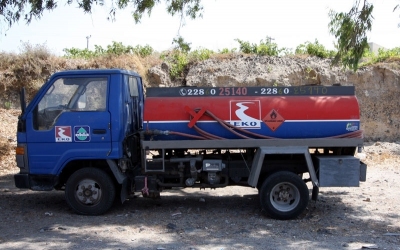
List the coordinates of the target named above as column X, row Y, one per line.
column 244, row 91
column 225, row 91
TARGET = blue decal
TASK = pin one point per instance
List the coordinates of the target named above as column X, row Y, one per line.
column 351, row 126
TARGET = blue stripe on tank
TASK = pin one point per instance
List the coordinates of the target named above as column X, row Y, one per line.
column 287, row 130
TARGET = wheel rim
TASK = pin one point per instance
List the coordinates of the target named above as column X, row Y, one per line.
column 285, row 197
column 88, row 192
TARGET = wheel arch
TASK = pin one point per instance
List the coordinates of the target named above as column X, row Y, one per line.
column 261, row 168
column 75, row 165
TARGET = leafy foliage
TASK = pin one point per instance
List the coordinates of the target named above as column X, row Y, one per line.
column 116, row 48
column 179, row 60
column 181, row 44
column 227, row 51
column 386, row 54
column 265, row 48
column 350, row 29
column 200, row 54
column 383, row 55
column 11, row 11
column 314, row 49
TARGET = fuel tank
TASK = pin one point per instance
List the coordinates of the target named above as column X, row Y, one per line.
column 251, row 112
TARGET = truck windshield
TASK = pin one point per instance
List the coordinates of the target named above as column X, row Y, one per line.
column 70, row 94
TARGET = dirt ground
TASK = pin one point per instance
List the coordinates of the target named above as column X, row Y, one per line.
column 228, row 218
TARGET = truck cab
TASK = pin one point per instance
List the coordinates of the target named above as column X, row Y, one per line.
column 79, row 119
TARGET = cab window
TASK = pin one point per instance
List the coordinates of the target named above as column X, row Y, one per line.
column 70, row 95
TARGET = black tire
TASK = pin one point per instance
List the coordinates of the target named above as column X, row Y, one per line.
column 90, row 191
column 284, row 195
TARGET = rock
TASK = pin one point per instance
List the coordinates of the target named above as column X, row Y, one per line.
column 159, row 77
column 176, row 213
column 242, row 231
column 45, row 229
column 324, row 231
column 370, row 246
column 391, row 234
column 171, row 226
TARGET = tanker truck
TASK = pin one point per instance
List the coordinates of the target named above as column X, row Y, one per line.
column 98, row 135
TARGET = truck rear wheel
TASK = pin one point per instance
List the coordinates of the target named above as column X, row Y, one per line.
column 90, row 191
column 284, row 195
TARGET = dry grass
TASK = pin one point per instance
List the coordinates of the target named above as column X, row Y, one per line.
column 391, row 63
column 8, row 140
column 225, row 56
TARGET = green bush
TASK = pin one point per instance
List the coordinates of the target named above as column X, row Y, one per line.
column 79, row 53
column 383, row 55
column 314, row 49
column 265, row 48
column 143, row 51
column 200, row 54
column 227, row 51
column 179, row 60
column 246, row 47
column 116, row 48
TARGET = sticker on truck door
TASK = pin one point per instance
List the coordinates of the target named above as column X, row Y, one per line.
column 82, row 133
column 63, row 134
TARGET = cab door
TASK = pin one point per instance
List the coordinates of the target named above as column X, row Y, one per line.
column 71, row 121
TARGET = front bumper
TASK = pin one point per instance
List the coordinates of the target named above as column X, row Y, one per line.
column 36, row 182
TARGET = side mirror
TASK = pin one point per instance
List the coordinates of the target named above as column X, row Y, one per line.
column 22, row 100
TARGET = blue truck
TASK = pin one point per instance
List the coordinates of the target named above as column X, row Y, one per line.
column 98, row 136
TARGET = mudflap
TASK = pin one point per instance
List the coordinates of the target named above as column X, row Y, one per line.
column 315, row 192
column 125, row 190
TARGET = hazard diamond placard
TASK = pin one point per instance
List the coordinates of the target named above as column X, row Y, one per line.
column 273, row 120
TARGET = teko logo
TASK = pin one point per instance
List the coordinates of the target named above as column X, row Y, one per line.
column 245, row 114
column 63, row 134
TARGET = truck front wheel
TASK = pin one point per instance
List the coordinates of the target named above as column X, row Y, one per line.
column 90, row 191
column 284, row 195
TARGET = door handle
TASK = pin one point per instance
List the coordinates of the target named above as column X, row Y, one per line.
column 99, row 131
